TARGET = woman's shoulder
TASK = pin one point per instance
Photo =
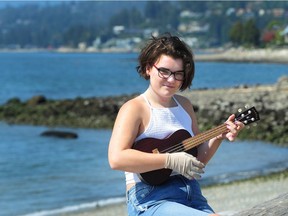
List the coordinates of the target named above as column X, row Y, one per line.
column 182, row 100
column 185, row 103
column 135, row 103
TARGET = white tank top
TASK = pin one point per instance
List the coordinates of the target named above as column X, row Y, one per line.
column 163, row 122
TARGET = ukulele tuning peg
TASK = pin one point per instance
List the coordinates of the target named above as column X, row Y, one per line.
column 239, row 110
column 254, row 124
column 248, row 127
column 247, row 106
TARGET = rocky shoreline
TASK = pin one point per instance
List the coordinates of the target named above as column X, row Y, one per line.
column 212, row 107
column 271, row 101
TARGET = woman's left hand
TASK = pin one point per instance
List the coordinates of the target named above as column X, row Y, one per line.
column 234, row 127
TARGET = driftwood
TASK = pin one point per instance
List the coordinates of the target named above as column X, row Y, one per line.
column 274, row 207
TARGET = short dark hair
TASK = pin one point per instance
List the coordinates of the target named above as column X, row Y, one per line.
column 171, row 46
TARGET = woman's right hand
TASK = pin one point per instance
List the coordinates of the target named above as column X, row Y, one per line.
column 185, row 164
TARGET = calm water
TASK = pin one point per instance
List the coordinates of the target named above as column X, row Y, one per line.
column 57, row 75
column 46, row 176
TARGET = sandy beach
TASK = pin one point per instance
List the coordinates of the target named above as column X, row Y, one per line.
column 226, row 199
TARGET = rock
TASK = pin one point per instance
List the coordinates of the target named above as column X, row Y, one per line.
column 36, row 100
column 60, row 134
column 14, row 100
column 274, row 207
column 271, row 101
column 282, row 83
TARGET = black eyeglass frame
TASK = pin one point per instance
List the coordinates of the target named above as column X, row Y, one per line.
column 161, row 75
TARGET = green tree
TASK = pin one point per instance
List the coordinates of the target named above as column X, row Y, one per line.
column 78, row 34
column 128, row 18
column 272, row 33
column 236, row 32
column 251, row 34
column 163, row 15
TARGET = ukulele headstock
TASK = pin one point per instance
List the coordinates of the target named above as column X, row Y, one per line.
column 248, row 116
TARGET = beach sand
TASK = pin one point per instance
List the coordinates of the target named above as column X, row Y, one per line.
column 225, row 199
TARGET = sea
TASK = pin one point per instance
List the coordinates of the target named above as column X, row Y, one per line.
column 42, row 176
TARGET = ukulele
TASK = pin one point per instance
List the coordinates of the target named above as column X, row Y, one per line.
column 180, row 141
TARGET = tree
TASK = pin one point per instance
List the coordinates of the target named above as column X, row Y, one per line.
column 78, row 34
column 236, row 33
column 272, row 33
column 163, row 15
column 128, row 18
column 251, row 34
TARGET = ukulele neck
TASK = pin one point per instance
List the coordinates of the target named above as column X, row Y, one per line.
column 203, row 137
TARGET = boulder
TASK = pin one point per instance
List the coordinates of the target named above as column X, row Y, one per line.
column 274, row 207
column 36, row 100
column 60, row 134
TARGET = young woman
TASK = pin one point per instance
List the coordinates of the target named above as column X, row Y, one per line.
column 167, row 62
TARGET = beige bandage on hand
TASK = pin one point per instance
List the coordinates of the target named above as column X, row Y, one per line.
column 185, row 164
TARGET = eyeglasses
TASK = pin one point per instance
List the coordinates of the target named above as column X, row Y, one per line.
column 166, row 73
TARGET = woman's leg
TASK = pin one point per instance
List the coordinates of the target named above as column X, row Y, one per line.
column 196, row 198
column 178, row 196
column 168, row 208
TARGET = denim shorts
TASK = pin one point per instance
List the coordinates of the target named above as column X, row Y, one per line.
column 177, row 196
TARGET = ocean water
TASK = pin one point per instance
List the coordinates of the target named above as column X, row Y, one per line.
column 59, row 76
column 47, row 176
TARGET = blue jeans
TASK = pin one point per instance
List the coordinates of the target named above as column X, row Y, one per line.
column 177, row 196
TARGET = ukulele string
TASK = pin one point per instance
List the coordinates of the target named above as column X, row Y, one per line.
column 206, row 136
column 190, row 143
column 195, row 140
column 200, row 138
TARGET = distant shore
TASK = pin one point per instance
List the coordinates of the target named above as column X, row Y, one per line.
column 246, row 55
column 225, row 199
column 268, row 55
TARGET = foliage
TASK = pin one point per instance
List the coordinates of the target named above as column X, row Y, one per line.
column 66, row 23
column 236, row 33
column 271, row 35
column 250, row 34
column 161, row 15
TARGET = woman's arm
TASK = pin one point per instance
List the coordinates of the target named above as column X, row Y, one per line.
column 208, row 149
column 126, row 128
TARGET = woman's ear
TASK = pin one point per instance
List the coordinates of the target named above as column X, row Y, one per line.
column 148, row 70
